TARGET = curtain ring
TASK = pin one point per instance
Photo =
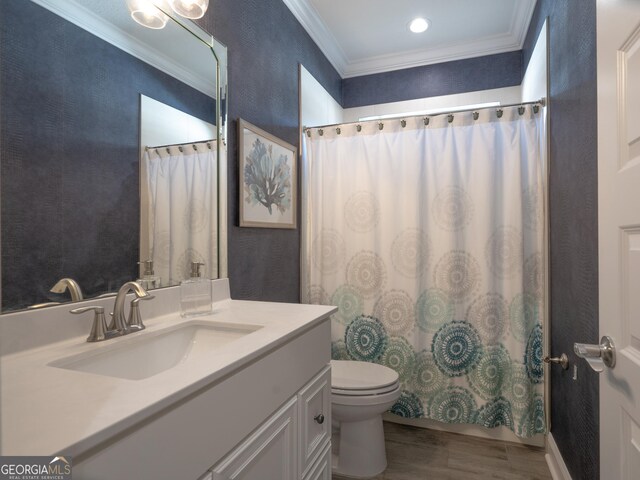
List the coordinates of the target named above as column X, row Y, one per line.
column 181, row 149
column 321, row 132
column 195, row 147
column 359, row 128
column 476, row 115
column 520, row 110
column 536, row 108
column 308, row 133
column 168, row 151
column 426, row 121
column 380, row 126
column 499, row 113
column 403, row 123
column 209, row 145
column 338, row 131
column 450, row 118
column 157, row 152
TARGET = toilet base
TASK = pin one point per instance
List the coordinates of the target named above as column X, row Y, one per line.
column 361, row 451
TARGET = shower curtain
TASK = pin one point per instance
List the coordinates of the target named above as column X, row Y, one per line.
column 428, row 234
column 182, row 198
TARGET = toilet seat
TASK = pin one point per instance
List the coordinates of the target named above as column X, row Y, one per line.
column 358, row 379
column 362, row 393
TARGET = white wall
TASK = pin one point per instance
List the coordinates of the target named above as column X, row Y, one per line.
column 534, row 83
column 502, row 95
column 161, row 124
column 317, row 106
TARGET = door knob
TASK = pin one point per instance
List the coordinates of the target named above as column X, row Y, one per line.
column 598, row 356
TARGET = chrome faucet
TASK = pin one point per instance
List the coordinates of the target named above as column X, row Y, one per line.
column 119, row 321
column 120, row 325
column 71, row 285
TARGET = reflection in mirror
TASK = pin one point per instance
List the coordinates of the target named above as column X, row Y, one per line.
column 178, row 185
column 71, row 78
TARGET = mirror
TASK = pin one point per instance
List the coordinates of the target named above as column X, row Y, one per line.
column 73, row 79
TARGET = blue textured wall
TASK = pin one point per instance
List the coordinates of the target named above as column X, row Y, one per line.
column 473, row 74
column 574, row 223
column 69, row 132
column 265, row 44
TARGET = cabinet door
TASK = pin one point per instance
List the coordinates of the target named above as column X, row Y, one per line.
column 314, row 403
column 269, row 453
column 321, row 470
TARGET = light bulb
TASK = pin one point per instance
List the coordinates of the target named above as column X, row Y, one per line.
column 189, row 8
column 419, row 25
column 147, row 14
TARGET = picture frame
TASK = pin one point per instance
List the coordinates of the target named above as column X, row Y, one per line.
column 268, row 179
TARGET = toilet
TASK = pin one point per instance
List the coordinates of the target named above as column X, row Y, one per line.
column 360, row 393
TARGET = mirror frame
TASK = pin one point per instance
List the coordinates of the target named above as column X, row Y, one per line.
column 219, row 52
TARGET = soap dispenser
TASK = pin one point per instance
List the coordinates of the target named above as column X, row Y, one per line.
column 195, row 293
column 149, row 280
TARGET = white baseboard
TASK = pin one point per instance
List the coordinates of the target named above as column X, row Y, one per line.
column 499, row 433
column 555, row 462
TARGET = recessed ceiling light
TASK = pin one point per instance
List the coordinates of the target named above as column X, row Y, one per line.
column 419, row 25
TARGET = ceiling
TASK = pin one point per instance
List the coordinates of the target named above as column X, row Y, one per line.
column 361, row 37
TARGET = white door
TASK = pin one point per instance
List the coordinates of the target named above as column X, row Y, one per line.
column 618, row 36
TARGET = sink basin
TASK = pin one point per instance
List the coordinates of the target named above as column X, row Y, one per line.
column 140, row 357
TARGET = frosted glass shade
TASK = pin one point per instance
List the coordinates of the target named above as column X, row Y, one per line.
column 189, row 8
column 146, row 14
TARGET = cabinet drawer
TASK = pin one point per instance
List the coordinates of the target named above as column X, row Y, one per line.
column 314, row 407
column 269, row 453
column 321, row 470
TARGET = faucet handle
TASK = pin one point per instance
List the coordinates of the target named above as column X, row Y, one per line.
column 134, row 321
column 99, row 328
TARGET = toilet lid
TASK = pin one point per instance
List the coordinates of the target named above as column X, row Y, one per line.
column 351, row 375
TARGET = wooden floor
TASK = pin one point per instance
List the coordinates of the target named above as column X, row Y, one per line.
column 420, row 454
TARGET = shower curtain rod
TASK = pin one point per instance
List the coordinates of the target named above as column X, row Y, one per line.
column 179, row 145
column 542, row 102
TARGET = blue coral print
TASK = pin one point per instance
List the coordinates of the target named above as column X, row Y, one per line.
column 267, row 179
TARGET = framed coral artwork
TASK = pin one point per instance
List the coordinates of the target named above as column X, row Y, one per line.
column 267, row 179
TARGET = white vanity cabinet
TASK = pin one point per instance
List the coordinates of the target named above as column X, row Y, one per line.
column 267, row 420
column 270, row 452
column 314, row 429
column 291, row 444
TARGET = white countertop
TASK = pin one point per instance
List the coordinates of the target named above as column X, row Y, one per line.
column 47, row 410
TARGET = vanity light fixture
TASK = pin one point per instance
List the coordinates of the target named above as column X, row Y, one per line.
column 419, row 25
column 189, row 8
column 147, row 14
column 150, row 13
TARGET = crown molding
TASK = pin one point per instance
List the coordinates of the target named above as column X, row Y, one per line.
column 419, row 58
column 521, row 20
column 510, row 41
column 80, row 16
column 319, row 33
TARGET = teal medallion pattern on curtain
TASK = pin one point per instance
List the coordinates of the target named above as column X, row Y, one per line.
column 430, row 243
